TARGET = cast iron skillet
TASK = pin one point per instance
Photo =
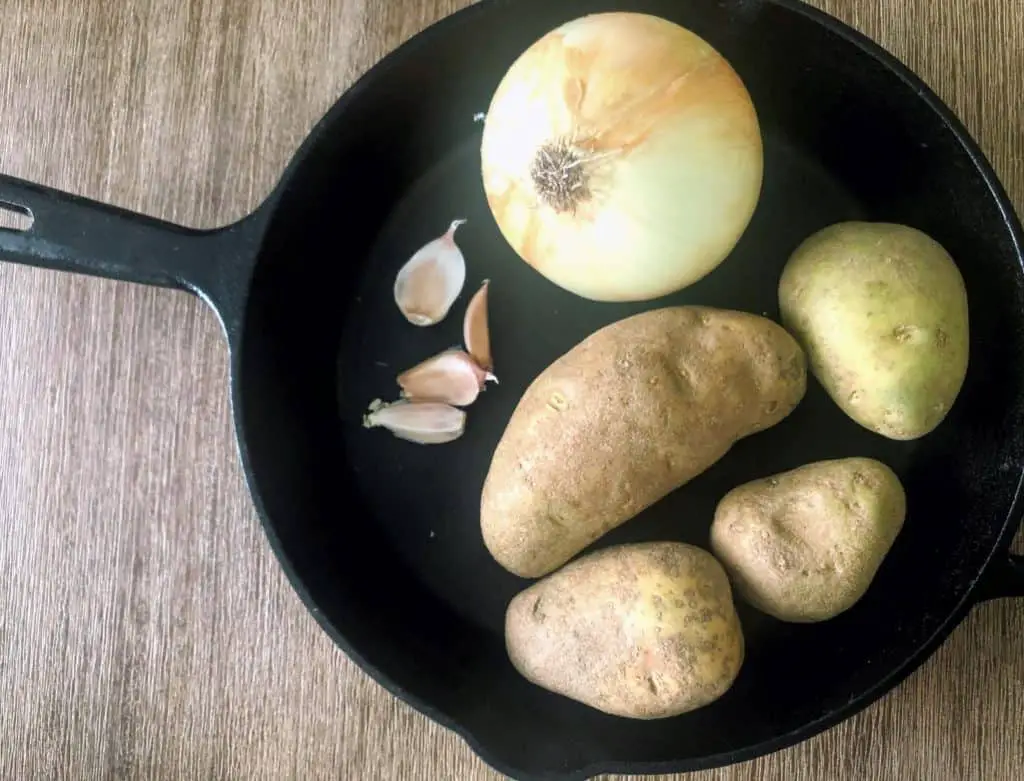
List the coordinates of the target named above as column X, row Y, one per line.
column 380, row 537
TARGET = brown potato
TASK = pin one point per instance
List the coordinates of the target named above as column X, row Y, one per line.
column 805, row 545
column 644, row 631
column 628, row 415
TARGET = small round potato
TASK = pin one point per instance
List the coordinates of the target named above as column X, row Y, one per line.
column 804, row 545
column 643, row 631
column 881, row 311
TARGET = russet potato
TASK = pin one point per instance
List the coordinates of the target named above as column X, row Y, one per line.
column 628, row 415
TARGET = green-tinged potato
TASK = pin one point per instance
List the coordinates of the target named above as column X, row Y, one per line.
column 805, row 545
column 882, row 312
column 625, row 417
column 644, row 631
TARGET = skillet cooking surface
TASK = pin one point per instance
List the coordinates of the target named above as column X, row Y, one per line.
column 384, row 535
column 532, row 323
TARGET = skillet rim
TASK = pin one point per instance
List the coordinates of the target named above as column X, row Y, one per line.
column 505, row 765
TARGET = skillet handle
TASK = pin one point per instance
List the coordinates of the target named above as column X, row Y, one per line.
column 65, row 232
column 1004, row 578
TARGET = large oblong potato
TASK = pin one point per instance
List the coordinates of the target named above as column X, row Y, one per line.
column 804, row 545
column 643, row 631
column 881, row 310
column 628, row 415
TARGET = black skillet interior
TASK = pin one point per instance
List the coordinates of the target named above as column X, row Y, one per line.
column 382, row 536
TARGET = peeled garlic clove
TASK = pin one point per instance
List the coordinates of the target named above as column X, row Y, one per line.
column 425, row 423
column 430, row 281
column 475, row 331
column 452, row 377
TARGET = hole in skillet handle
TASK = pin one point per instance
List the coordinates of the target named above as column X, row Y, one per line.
column 16, row 218
column 1003, row 578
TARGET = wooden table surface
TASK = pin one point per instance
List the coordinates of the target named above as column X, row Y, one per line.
column 146, row 631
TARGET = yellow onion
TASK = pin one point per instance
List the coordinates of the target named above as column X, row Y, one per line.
column 622, row 157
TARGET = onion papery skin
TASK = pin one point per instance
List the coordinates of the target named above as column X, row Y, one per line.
column 657, row 148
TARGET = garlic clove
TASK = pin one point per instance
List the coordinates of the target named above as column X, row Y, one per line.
column 452, row 377
column 475, row 331
column 430, row 281
column 425, row 423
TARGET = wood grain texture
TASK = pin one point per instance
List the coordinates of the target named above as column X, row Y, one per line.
column 146, row 631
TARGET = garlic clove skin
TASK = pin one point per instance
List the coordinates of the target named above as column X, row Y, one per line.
column 430, row 281
column 425, row 423
column 452, row 377
column 475, row 331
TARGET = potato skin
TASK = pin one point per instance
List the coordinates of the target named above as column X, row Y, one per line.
column 643, row 631
column 881, row 310
column 804, row 545
column 625, row 417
